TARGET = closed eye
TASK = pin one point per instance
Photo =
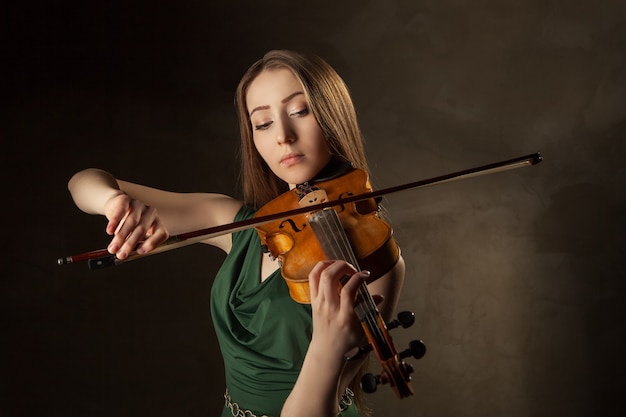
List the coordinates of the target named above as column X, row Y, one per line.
column 262, row 126
column 300, row 113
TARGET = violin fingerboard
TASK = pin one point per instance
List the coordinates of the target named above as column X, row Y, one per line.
column 332, row 238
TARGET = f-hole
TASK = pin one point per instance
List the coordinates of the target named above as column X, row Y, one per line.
column 342, row 207
column 293, row 225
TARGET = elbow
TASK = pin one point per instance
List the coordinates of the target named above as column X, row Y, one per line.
column 76, row 179
column 91, row 188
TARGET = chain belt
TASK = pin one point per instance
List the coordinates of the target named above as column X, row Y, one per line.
column 344, row 402
column 237, row 411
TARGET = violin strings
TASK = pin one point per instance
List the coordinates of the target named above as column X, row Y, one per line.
column 327, row 227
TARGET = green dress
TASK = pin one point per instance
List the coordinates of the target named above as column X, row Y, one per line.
column 263, row 334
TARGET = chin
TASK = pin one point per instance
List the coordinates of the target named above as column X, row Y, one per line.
column 297, row 179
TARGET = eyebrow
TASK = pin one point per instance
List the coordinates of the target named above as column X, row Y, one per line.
column 285, row 100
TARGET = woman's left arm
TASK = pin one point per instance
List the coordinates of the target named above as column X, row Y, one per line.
column 336, row 330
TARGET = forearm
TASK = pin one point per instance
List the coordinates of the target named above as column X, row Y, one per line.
column 388, row 287
column 315, row 393
column 92, row 188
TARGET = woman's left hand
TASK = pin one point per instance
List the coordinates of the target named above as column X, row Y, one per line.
column 336, row 329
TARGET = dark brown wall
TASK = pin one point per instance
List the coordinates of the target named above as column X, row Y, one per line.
column 516, row 278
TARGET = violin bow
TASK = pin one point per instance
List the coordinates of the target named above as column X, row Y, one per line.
column 102, row 258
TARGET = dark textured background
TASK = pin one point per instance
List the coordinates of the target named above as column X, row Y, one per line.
column 516, row 278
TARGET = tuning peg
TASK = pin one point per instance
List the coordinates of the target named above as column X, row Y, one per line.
column 417, row 349
column 369, row 382
column 405, row 319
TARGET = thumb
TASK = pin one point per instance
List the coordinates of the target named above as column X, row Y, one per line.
column 377, row 298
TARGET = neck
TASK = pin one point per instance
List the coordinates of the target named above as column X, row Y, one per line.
column 336, row 167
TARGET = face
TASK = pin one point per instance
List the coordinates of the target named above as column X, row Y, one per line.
column 285, row 132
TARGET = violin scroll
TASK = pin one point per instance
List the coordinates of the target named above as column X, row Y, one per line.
column 395, row 371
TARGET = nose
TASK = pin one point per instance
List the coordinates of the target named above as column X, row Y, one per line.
column 285, row 132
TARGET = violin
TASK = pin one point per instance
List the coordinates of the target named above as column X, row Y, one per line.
column 352, row 232
column 358, row 225
column 333, row 219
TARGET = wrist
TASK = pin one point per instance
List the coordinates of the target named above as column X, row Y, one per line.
column 109, row 196
column 322, row 355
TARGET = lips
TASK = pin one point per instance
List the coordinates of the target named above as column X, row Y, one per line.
column 291, row 158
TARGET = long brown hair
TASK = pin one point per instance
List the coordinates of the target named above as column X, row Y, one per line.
column 331, row 104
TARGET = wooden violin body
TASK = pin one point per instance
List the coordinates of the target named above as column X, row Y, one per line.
column 294, row 243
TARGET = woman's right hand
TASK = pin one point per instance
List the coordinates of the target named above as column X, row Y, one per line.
column 134, row 226
column 142, row 217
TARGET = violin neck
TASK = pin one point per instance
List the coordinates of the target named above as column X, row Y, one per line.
column 327, row 227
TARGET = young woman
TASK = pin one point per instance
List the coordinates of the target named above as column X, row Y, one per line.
column 281, row 357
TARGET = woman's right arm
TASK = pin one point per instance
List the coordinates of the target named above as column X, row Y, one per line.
column 138, row 213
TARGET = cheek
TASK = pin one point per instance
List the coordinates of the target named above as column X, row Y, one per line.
column 261, row 148
column 322, row 145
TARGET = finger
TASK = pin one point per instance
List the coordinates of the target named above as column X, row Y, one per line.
column 122, row 242
column 118, row 239
column 353, row 283
column 378, row 299
column 116, row 210
column 330, row 280
column 135, row 229
column 350, row 289
column 116, row 219
column 155, row 236
column 314, row 277
column 132, row 218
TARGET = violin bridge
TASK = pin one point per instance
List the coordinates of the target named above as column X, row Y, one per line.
column 313, row 197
